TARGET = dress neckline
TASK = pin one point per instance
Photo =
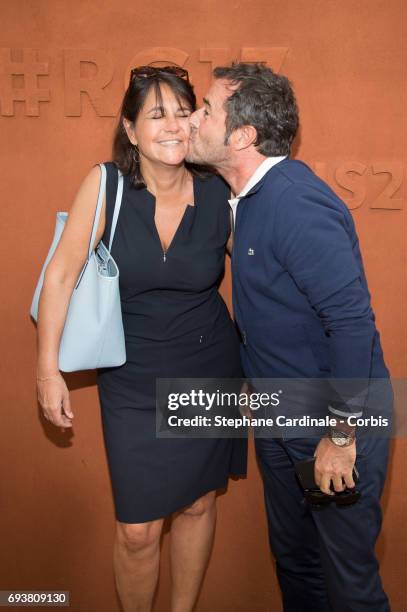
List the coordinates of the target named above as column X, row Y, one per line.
column 189, row 208
column 194, row 189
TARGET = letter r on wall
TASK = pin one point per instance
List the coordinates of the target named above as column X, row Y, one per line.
column 76, row 83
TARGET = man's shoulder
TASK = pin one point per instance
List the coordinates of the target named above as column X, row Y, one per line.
column 293, row 179
column 290, row 172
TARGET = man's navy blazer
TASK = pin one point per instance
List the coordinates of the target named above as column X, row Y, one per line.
column 301, row 299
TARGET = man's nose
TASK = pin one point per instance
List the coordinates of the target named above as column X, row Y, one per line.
column 194, row 119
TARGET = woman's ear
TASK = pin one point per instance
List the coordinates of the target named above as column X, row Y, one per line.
column 129, row 129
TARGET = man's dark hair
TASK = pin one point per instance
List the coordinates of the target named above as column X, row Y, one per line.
column 264, row 100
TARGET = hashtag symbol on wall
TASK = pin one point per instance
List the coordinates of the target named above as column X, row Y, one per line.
column 30, row 69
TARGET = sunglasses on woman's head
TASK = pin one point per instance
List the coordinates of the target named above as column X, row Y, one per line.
column 145, row 72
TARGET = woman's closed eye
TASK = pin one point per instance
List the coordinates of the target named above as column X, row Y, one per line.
column 180, row 114
column 184, row 112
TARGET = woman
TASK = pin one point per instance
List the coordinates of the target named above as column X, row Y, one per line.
column 169, row 246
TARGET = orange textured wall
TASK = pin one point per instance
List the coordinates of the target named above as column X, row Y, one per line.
column 347, row 61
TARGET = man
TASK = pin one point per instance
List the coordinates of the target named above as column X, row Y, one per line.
column 303, row 309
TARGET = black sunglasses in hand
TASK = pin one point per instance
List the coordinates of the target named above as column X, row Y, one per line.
column 315, row 497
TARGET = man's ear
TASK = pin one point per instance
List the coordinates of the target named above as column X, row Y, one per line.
column 129, row 129
column 243, row 137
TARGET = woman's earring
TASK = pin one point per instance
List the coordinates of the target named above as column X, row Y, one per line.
column 136, row 157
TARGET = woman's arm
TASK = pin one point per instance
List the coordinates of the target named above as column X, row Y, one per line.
column 60, row 277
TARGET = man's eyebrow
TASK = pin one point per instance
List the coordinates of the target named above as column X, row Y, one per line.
column 206, row 101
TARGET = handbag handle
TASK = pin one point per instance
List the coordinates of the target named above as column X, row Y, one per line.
column 117, row 205
column 102, row 189
column 118, row 202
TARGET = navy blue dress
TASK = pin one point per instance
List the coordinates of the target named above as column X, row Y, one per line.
column 176, row 326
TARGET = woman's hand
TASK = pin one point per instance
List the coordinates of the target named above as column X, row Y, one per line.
column 245, row 409
column 229, row 244
column 53, row 396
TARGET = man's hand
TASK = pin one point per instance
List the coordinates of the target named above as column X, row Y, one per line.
column 335, row 464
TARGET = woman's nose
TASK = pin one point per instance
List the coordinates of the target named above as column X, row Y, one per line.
column 172, row 124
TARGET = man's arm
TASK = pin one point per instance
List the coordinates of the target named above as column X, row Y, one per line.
column 312, row 241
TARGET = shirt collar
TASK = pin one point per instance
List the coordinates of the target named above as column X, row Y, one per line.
column 256, row 177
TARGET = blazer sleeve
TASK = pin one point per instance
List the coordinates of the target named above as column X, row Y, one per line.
column 314, row 243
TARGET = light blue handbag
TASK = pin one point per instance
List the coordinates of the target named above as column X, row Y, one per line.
column 93, row 335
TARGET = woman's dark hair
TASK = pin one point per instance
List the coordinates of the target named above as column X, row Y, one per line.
column 142, row 80
column 264, row 100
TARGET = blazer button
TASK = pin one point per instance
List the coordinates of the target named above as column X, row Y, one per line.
column 244, row 338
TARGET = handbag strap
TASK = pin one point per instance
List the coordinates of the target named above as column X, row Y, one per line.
column 102, row 189
column 117, row 206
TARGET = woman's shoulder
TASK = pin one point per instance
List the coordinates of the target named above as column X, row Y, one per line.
column 110, row 166
column 214, row 188
column 112, row 177
column 215, row 182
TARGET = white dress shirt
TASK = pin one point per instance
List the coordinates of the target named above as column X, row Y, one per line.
column 258, row 174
